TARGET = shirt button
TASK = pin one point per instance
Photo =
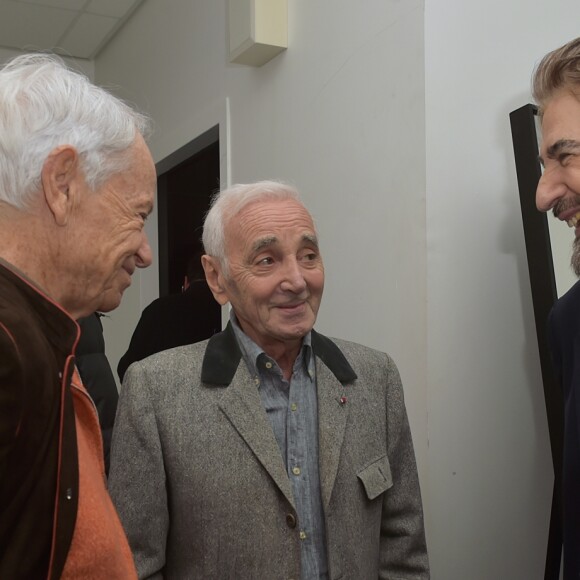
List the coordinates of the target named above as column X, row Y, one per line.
column 296, row 470
column 69, row 493
column 302, row 535
column 291, row 520
column 293, row 406
column 268, row 365
column 257, row 381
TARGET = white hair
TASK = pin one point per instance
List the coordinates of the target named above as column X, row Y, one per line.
column 229, row 203
column 44, row 104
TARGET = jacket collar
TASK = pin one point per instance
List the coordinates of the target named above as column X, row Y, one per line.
column 222, row 358
column 57, row 325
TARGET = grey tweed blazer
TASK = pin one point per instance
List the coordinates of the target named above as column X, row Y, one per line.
column 201, row 488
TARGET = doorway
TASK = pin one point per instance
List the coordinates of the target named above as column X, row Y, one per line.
column 186, row 181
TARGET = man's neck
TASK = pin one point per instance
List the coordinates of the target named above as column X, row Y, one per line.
column 25, row 247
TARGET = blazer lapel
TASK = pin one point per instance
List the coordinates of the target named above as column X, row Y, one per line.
column 242, row 406
column 332, row 418
column 222, row 366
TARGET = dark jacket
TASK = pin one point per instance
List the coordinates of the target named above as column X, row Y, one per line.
column 564, row 333
column 173, row 320
column 97, row 376
column 38, row 449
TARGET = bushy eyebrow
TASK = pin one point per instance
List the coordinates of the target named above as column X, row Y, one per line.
column 559, row 147
column 263, row 243
column 311, row 238
column 268, row 241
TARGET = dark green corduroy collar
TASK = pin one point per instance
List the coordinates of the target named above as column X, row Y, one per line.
column 223, row 355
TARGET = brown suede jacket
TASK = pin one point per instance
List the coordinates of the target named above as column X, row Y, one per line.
column 38, row 448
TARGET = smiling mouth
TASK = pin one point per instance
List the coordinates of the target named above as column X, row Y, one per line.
column 574, row 220
column 290, row 306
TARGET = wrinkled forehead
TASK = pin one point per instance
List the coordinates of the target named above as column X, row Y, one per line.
column 562, row 107
column 269, row 214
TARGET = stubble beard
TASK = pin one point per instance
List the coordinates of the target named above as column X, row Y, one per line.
column 561, row 206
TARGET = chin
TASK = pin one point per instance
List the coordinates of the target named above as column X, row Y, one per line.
column 297, row 332
column 110, row 302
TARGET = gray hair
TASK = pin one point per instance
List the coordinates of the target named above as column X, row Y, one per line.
column 44, row 104
column 229, row 203
column 559, row 69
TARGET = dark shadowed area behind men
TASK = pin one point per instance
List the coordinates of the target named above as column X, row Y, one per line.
column 176, row 319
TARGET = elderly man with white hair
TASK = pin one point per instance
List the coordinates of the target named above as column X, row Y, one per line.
column 77, row 182
column 269, row 451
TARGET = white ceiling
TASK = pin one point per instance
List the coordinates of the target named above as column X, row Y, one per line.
column 78, row 28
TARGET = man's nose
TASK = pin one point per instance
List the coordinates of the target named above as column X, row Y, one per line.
column 293, row 277
column 144, row 254
column 549, row 191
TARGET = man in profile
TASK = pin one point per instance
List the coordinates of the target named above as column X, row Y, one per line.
column 77, row 182
column 269, row 451
column 556, row 88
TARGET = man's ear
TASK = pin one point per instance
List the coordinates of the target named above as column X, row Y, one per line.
column 214, row 278
column 59, row 176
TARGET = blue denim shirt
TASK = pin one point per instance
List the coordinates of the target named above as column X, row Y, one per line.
column 292, row 408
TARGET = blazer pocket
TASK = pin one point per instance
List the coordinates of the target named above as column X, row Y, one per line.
column 376, row 477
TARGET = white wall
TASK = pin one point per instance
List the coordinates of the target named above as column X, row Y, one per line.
column 439, row 280
column 489, row 465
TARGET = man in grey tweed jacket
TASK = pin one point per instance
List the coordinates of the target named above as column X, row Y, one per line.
column 269, row 451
